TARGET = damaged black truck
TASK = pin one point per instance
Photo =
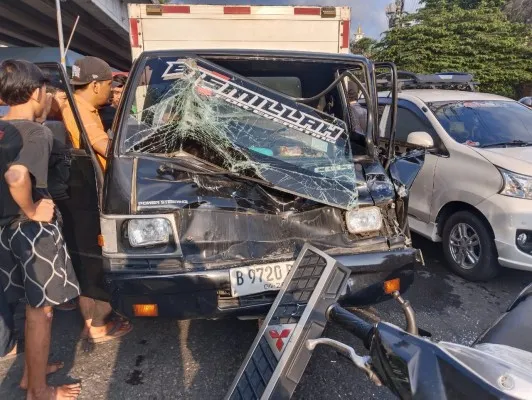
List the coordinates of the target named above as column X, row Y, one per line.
column 222, row 165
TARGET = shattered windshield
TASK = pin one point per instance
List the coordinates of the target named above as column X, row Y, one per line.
column 190, row 106
column 485, row 123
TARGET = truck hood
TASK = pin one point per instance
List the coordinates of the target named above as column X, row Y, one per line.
column 516, row 159
column 225, row 218
column 187, row 182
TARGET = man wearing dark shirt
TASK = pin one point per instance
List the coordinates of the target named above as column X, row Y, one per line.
column 34, row 262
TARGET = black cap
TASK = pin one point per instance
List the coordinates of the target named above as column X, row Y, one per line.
column 119, row 80
column 89, row 69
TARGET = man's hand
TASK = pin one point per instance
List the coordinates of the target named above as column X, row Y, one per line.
column 43, row 211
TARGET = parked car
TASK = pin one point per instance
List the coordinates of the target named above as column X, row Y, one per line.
column 474, row 192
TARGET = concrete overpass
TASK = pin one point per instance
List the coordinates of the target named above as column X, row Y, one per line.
column 102, row 31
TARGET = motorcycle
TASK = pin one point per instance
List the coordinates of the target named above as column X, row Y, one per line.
column 497, row 366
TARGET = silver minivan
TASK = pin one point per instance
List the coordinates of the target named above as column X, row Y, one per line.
column 474, row 192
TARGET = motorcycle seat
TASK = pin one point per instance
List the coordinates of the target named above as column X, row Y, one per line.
column 513, row 328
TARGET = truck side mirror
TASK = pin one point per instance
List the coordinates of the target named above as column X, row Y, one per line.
column 420, row 139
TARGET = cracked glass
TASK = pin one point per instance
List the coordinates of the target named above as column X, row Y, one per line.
column 191, row 106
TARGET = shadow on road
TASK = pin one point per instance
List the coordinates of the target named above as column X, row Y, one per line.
column 433, row 254
column 167, row 359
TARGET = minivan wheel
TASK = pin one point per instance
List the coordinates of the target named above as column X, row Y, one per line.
column 469, row 248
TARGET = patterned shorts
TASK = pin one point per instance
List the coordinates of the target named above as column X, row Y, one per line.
column 34, row 263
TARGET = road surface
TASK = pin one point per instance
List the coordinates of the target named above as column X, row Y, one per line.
column 166, row 359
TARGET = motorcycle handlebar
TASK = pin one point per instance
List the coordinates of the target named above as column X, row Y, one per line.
column 356, row 325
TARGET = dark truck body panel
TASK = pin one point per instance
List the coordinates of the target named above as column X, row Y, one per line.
column 204, row 294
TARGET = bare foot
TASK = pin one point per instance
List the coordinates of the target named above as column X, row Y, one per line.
column 65, row 392
column 50, row 369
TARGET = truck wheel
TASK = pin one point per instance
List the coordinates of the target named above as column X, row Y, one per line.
column 469, row 248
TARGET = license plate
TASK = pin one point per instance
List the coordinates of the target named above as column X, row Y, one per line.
column 258, row 278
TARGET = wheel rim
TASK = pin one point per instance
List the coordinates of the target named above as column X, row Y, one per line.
column 464, row 245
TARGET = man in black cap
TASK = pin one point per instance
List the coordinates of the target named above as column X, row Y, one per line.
column 92, row 78
column 357, row 113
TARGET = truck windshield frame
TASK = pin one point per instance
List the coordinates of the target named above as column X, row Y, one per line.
column 216, row 125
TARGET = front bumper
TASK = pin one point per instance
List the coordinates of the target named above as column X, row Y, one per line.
column 206, row 294
column 507, row 215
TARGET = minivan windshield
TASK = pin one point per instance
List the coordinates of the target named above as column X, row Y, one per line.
column 485, row 123
column 193, row 106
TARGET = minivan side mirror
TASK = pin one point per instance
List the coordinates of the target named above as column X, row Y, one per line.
column 420, row 139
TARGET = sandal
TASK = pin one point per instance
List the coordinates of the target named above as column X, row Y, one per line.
column 119, row 329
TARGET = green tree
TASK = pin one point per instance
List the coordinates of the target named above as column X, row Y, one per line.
column 446, row 37
column 465, row 4
column 365, row 47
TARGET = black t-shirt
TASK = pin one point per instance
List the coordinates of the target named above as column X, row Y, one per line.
column 107, row 115
column 29, row 144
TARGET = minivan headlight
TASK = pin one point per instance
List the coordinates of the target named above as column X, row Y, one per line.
column 148, row 231
column 516, row 185
column 364, row 220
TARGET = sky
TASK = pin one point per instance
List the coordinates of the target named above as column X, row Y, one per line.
column 370, row 14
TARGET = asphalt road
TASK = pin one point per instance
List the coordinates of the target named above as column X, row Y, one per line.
column 166, row 359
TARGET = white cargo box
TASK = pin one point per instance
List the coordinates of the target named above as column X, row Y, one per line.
column 179, row 26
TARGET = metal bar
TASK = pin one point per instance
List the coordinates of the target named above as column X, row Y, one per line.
column 393, row 115
column 350, row 322
column 71, row 34
column 60, row 32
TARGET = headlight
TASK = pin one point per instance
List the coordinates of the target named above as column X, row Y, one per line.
column 364, row 220
column 516, row 185
column 148, row 232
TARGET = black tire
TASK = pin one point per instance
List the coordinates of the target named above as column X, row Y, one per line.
column 487, row 266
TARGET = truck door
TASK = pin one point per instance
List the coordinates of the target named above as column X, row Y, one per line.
column 80, row 207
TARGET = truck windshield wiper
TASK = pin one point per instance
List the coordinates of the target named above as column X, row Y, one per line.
column 517, row 143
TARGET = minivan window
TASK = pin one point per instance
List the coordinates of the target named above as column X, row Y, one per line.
column 485, row 123
column 408, row 122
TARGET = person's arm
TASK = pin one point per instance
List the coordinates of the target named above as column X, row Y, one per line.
column 98, row 138
column 19, row 181
column 100, row 146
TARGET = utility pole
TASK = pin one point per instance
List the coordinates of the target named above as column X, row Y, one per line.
column 395, row 12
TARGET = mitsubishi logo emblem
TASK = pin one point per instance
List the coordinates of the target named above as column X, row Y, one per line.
column 278, row 337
